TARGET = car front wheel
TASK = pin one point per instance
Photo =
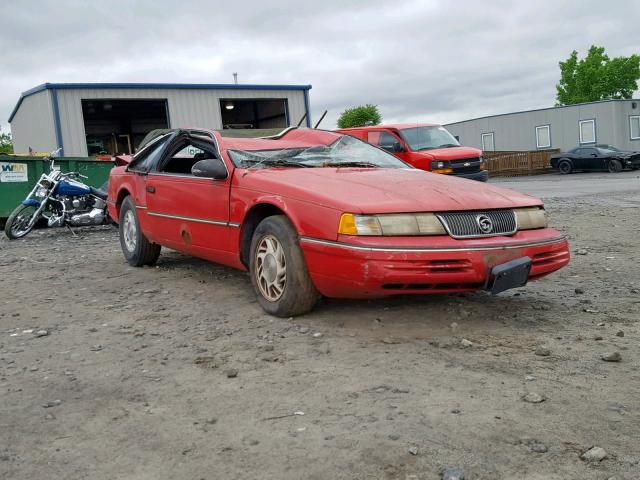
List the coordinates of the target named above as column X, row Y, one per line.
column 137, row 250
column 565, row 167
column 615, row 166
column 278, row 271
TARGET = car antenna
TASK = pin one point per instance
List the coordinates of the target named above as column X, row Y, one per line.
column 321, row 118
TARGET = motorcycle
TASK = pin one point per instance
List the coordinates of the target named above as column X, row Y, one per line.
column 62, row 200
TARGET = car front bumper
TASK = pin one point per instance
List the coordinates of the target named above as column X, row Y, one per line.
column 481, row 176
column 633, row 162
column 377, row 267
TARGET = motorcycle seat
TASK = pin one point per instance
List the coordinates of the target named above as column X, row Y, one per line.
column 99, row 193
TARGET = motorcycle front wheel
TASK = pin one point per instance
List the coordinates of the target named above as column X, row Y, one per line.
column 20, row 222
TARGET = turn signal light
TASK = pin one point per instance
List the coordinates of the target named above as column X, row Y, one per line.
column 443, row 170
column 348, row 224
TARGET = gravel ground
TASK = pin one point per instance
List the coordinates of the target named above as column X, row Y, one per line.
column 107, row 371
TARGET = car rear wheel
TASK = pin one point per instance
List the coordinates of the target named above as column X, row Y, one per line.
column 278, row 271
column 615, row 166
column 565, row 167
column 137, row 250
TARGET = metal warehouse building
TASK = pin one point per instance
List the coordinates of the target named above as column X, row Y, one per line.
column 612, row 122
column 86, row 119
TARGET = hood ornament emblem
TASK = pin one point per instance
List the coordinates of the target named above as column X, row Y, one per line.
column 484, row 223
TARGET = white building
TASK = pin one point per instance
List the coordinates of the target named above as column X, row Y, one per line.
column 611, row 122
column 89, row 118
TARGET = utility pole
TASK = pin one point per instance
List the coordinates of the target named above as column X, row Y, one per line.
column 235, row 77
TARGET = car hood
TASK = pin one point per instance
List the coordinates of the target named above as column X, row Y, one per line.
column 381, row 190
column 452, row 153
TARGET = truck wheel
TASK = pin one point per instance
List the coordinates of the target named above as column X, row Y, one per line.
column 565, row 167
column 615, row 166
column 278, row 271
column 20, row 221
column 137, row 250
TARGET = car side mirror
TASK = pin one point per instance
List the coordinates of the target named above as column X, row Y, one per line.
column 397, row 147
column 210, row 168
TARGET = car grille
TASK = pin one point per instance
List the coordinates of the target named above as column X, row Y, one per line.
column 459, row 166
column 488, row 223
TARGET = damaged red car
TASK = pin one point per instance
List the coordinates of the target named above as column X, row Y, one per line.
column 311, row 213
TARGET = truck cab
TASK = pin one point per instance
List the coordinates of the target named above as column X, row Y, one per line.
column 425, row 146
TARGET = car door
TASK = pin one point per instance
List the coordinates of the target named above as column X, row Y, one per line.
column 580, row 160
column 190, row 213
column 389, row 142
column 591, row 159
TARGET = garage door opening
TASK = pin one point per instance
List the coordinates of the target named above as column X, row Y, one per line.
column 263, row 113
column 117, row 126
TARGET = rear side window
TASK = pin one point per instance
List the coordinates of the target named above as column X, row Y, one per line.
column 147, row 158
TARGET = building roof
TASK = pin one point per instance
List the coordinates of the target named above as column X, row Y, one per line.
column 547, row 108
column 397, row 126
column 159, row 86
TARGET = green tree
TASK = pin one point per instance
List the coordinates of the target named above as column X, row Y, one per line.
column 597, row 77
column 360, row 116
column 6, row 145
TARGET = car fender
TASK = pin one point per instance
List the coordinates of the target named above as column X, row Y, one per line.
column 277, row 201
column 309, row 219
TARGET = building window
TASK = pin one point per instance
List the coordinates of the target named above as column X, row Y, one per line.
column 543, row 136
column 588, row 131
column 634, row 127
column 488, row 145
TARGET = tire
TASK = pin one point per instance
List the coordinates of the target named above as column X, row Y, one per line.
column 278, row 271
column 137, row 250
column 565, row 166
column 15, row 226
column 614, row 166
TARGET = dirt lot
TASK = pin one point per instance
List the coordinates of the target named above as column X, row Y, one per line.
column 131, row 379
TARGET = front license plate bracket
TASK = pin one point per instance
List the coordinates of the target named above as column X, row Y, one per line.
column 509, row 275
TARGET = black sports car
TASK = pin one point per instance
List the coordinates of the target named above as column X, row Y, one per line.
column 597, row 157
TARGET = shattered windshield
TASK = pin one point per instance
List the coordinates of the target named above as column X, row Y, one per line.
column 346, row 151
column 428, row 138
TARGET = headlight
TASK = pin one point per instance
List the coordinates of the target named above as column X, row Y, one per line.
column 438, row 166
column 41, row 192
column 530, row 218
column 391, row 224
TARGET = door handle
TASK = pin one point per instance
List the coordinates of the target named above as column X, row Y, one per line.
column 150, row 189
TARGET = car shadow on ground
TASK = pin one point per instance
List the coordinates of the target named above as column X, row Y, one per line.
column 406, row 315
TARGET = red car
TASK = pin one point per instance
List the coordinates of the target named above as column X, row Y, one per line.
column 313, row 213
column 426, row 146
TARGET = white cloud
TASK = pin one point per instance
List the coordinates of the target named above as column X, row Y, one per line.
column 417, row 60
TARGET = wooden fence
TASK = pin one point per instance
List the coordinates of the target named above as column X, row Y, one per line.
column 511, row 164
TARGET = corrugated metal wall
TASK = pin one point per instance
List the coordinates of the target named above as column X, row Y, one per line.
column 187, row 108
column 517, row 131
column 33, row 125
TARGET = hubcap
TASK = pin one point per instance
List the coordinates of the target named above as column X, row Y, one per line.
column 23, row 222
column 271, row 268
column 129, row 231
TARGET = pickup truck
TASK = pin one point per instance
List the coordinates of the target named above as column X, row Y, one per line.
column 426, row 146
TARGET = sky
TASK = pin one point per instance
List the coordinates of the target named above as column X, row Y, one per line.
column 437, row 61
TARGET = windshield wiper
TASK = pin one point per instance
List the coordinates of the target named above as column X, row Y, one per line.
column 275, row 163
column 351, row 164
